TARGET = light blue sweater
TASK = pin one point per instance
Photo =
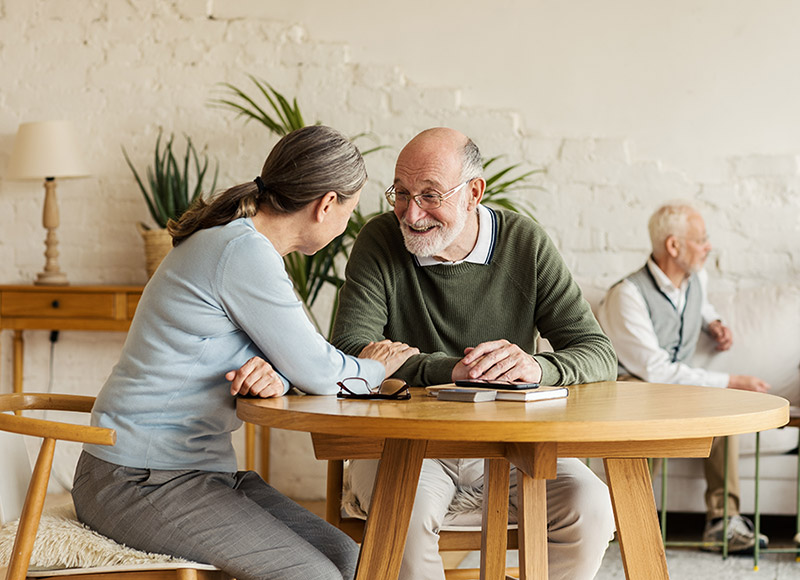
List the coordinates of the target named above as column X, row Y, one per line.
column 219, row 298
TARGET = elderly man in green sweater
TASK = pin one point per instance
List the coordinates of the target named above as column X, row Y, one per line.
column 470, row 287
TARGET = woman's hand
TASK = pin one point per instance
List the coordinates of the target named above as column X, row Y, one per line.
column 255, row 377
column 390, row 354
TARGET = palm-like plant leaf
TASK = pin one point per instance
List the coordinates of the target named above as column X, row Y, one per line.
column 498, row 190
column 285, row 117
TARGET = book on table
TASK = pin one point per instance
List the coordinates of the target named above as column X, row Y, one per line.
column 466, row 395
column 541, row 393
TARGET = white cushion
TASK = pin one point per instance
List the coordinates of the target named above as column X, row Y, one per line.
column 773, row 442
column 766, row 337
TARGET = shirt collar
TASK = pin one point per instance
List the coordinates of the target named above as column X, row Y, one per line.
column 676, row 295
column 484, row 247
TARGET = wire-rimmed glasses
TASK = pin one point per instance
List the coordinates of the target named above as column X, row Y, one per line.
column 431, row 199
column 397, row 389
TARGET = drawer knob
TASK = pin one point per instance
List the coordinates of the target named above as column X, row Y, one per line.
column 55, row 304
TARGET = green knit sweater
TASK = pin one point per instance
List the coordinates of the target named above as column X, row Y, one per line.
column 443, row 309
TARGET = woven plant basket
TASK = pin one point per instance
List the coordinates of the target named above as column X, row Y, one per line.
column 157, row 244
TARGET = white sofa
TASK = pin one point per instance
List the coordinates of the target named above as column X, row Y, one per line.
column 766, row 326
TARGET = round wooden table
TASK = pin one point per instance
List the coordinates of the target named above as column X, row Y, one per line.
column 624, row 423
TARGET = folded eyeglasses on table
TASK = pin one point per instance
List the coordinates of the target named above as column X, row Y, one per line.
column 390, row 389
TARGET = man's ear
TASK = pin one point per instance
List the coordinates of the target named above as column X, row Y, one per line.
column 323, row 205
column 673, row 246
column 475, row 190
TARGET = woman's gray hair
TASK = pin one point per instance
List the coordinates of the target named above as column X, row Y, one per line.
column 671, row 219
column 302, row 167
column 472, row 164
column 308, row 163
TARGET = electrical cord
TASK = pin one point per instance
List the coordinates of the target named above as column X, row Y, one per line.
column 55, row 473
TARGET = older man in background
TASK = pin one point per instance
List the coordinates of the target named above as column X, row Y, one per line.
column 654, row 318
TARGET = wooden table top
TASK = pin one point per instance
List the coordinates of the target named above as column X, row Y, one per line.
column 606, row 411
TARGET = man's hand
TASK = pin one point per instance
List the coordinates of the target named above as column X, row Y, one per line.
column 721, row 334
column 390, row 354
column 498, row 359
column 748, row 383
column 255, row 377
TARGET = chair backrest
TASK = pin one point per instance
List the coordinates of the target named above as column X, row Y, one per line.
column 15, row 473
column 13, row 422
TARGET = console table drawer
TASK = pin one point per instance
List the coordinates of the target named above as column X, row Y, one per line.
column 58, row 305
column 68, row 308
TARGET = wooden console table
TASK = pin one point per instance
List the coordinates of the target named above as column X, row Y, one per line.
column 92, row 308
column 95, row 308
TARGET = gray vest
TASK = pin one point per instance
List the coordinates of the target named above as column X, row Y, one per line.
column 677, row 332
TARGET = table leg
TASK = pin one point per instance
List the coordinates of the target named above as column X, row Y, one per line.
column 19, row 347
column 494, row 536
column 536, row 463
column 266, row 437
column 390, row 510
column 637, row 520
column 249, row 446
column 532, row 518
column 18, row 353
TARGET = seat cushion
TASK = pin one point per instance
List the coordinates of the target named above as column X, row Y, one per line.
column 64, row 542
column 766, row 337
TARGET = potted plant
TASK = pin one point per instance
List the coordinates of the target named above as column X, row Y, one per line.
column 169, row 192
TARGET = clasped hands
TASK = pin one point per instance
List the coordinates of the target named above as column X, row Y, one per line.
column 257, row 378
column 497, row 360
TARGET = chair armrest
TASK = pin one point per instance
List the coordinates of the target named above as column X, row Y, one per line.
column 47, row 428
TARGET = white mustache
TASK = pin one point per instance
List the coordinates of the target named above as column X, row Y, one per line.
column 422, row 224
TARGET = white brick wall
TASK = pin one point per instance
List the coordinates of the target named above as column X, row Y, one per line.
column 123, row 70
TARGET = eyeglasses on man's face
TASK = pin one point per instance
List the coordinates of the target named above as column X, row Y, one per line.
column 430, row 199
column 391, row 389
column 699, row 241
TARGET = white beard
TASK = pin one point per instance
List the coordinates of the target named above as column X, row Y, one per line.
column 437, row 240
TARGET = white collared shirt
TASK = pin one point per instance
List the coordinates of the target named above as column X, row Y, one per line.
column 484, row 246
column 625, row 319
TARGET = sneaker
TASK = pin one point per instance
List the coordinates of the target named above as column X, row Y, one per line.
column 741, row 535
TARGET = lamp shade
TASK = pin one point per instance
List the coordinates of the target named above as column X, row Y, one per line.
column 46, row 149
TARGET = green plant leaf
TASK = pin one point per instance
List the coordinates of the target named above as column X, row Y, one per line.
column 168, row 191
column 284, row 117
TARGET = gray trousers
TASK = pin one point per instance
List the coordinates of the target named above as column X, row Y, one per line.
column 235, row 521
column 580, row 520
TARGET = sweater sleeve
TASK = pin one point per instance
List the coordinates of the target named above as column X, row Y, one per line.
column 582, row 353
column 363, row 312
column 257, row 295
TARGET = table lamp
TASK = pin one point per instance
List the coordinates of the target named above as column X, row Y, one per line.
column 46, row 150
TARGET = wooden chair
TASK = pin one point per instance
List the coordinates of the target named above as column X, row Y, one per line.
column 452, row 539
column 11, row 480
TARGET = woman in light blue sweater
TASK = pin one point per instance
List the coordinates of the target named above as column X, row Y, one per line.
column 220, row 298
